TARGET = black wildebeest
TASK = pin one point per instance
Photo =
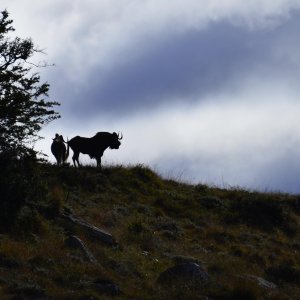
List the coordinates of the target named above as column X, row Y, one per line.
column 94, row 146
column 59, row 150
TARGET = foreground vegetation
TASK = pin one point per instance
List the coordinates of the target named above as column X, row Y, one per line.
column 247, row 242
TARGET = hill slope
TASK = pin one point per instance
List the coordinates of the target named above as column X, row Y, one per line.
column 247, row 243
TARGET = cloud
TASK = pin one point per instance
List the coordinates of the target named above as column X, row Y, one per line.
column 100, row 31
column 188, row 66
column 95, row 44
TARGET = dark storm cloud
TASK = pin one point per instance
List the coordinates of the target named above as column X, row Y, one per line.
column 186, row 66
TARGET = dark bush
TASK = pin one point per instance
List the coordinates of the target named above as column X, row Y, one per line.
column 20, row 184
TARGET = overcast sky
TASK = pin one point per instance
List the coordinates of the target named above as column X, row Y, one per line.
column 203, row 91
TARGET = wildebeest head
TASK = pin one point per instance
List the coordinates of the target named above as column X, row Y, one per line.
column 115, row 140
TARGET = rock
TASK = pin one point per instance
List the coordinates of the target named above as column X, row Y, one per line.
column 76, row 243
column 184, row 274
column 92, row 230
column 261, row 282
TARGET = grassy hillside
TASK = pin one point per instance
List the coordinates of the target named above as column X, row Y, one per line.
column 238, row 237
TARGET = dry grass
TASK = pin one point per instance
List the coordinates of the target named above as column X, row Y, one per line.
column 231, row 233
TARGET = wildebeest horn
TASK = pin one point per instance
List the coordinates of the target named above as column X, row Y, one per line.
column 120, row 137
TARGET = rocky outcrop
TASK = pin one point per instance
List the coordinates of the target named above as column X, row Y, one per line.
column 92, row 230
column 261, row 281
column 184, row 274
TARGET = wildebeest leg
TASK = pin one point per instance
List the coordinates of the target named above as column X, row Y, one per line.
column 57, row 160
column 98, row 161
column 76, row 159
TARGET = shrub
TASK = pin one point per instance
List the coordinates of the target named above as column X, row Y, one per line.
column 20, row 183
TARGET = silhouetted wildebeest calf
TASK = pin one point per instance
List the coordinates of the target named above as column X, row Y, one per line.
column 94, row 146
column 59, row 150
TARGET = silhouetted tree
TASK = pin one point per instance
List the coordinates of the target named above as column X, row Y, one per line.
column 23, row 109
column 23, row 112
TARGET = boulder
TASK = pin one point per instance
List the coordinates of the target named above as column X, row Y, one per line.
column 92, row 230
column 184, row 274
